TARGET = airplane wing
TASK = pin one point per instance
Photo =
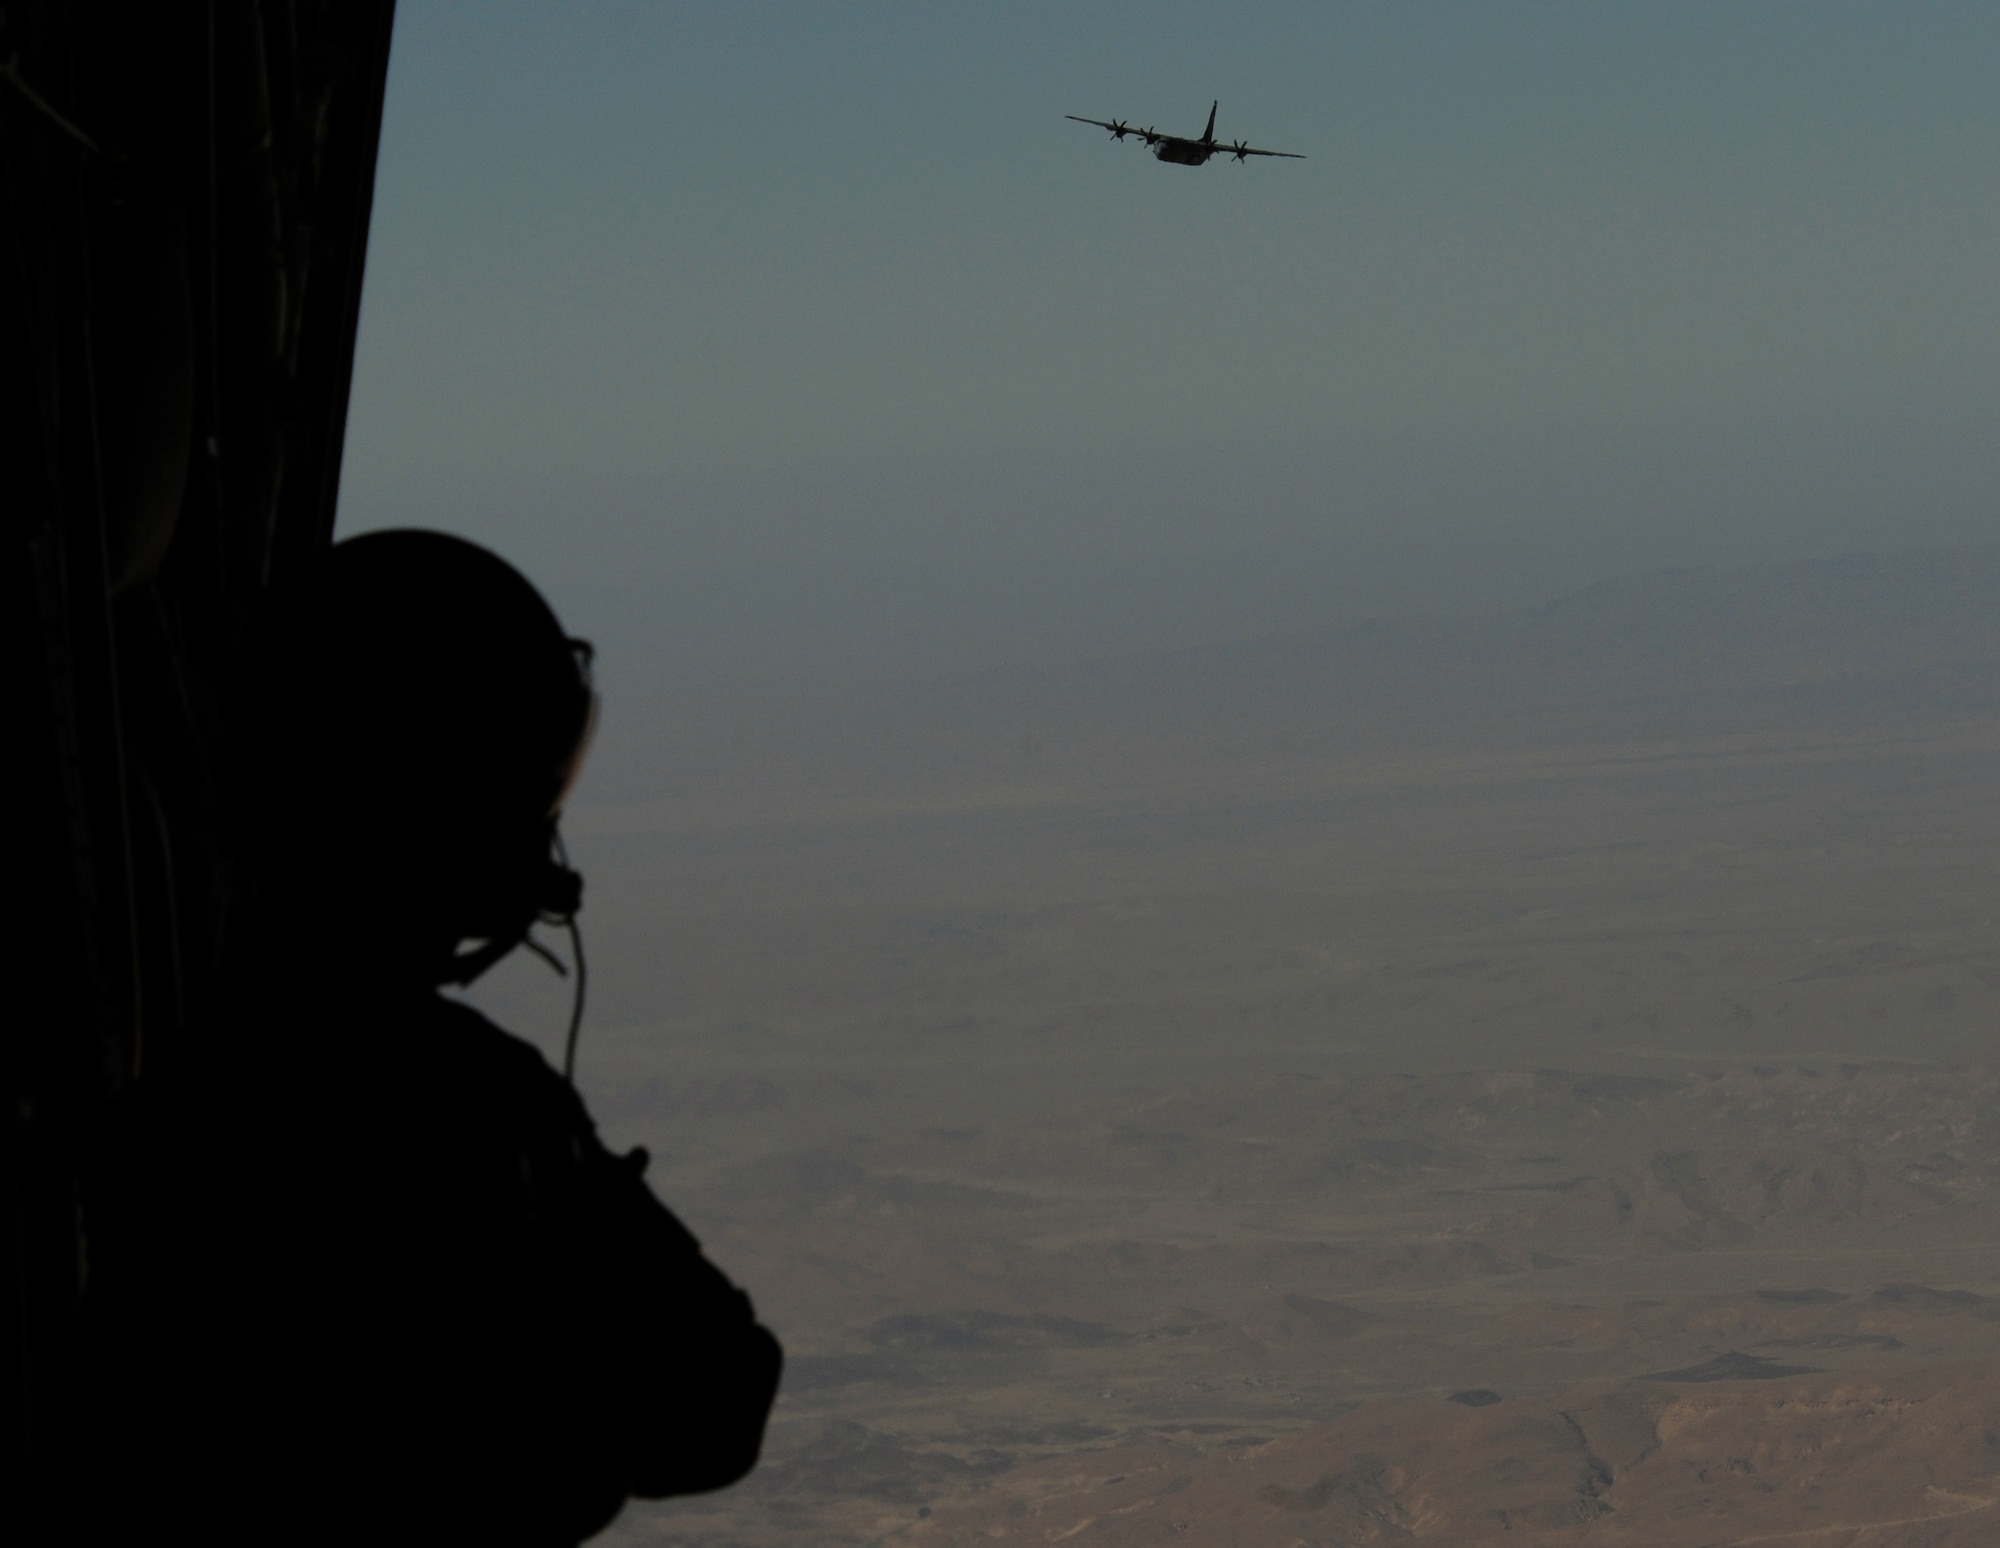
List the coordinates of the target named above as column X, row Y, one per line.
column 1120, row 129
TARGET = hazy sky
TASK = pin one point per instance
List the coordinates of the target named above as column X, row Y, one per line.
column 709, row 313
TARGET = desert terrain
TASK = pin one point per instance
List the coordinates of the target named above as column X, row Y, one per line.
column 1520, row 1079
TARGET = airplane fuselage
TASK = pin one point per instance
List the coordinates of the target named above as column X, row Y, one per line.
column 1184, row 153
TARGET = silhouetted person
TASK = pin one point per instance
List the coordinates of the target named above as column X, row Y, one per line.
column 368, row 1275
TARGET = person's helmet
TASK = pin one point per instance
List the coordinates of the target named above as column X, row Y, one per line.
column 415, row 717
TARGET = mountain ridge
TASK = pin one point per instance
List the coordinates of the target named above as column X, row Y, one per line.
column 1861, row 636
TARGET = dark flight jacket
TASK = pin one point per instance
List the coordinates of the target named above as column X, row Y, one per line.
column 374, row 1278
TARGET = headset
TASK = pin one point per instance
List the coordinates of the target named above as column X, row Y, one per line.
column 563, row 896
column 554, row 893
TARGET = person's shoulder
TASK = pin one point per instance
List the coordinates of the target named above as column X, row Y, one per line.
column 470, row 1051
column 473, row 1035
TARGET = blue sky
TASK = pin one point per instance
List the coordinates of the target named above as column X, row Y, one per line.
column 664, row 297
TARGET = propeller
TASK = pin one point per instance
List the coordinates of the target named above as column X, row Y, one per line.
column 1151, row 137
column 1119, row 128
column 1242, row 149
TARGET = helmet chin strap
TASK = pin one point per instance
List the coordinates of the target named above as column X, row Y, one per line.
column 573, row 897
column 558, row 896
column 467, row 965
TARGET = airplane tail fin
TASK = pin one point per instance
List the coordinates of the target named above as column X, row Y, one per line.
column 1209, row 132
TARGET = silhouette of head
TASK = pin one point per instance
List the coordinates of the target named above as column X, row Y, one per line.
column 415, row 719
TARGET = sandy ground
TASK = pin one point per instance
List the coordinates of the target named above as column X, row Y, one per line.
column 1164, row 1135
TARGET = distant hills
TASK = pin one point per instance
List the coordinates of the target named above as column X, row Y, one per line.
column 1859, row 638
column 1858, row 643
column 1859, row 613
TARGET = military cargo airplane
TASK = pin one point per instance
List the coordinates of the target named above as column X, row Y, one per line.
column 1184, row 152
